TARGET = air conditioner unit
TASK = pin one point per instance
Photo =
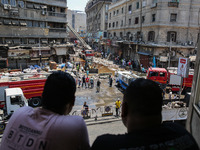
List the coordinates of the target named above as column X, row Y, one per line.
column 5, row 6
column 190, row 43
column 9, row 7
column 43, row 12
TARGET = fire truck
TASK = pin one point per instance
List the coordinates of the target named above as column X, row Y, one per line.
column 32, row 88
column 170, row 78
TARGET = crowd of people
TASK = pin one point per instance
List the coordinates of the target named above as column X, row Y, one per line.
column 51, row 127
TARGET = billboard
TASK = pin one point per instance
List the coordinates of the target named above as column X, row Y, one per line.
column 183, row 67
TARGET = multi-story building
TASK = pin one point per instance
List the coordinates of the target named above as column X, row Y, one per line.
column 97, row 20
column 29, row 28
column 163, row 29
column 77, row 19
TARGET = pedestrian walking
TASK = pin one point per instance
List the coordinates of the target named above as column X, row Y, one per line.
column 98, row 86
column 110, row 81
column 83, row 81
column 79, row 82
column 170, row 94
column 78, row 68
column 85, row 110
column 117, row 104
column 87, row 72
column 92, row 82
column 87, row 81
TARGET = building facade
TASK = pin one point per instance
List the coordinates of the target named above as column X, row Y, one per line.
column 77, row 19
column 29, row 28
column 146, row 29
column 97, row 21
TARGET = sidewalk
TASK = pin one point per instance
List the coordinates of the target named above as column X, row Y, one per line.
column 107, row 125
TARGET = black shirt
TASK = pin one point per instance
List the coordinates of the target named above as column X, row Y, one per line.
column 98, row 83
column 169, row 136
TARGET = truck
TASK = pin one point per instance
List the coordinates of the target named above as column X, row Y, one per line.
column 124, row 78
column 31, row 87
column 13, row 99
column 170, row 78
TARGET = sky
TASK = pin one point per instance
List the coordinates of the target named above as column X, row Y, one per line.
column 76, row 4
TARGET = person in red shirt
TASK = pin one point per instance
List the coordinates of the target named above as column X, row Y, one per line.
column 87, row 81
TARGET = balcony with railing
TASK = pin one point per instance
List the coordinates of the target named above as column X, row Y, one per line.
column 173, row 3
column 94, row 2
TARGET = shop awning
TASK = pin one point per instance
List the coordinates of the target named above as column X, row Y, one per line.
column 142, row 53
column 192, row 58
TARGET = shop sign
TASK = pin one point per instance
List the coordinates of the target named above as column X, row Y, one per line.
column 183, row 67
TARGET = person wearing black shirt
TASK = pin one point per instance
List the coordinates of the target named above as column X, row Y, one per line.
column 141, row 114
column 98, row 85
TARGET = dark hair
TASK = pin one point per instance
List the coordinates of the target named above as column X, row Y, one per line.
column 59, row 90
column 144, row 97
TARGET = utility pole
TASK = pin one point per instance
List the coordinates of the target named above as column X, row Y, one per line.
column 170, row 48
column 40, row 54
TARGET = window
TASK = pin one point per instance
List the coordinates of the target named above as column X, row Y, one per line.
column 117, row 12
column 151, row 36
column 153, row 74
column 114, row 13
column 121, row 34
column 121, row 22
column 136, row 20
column 107, row 7
column 154, row 1
column 117, row 24
column 129, row 21
column 153, row 17
column 113, row 25
column 137, row 5
column 13, row 3
column 21, row 4
column 110, row 15
column 171, row 36
column 4, row 1
column 130, row 9
column 35, row 24
column 29, row 23
column 173, row 17
column 162, row 74
column 143, row 19
column 109, row 25
column 122, row 10
column 114, row 34
column 14, row 100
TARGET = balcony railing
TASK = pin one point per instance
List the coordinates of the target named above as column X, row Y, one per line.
column 97, row 1
column 57, row 30
column 173, row 3
column 57, row 14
